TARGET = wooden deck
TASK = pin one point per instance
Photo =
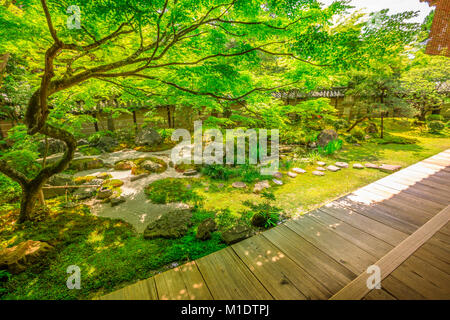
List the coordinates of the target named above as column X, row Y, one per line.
column 399, row 223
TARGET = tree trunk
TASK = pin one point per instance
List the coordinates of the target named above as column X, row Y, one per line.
column 27, row 203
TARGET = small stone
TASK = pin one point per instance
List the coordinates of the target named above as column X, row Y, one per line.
column 205, row 228
column 278, row 175
column 342, row 164
column 259, row 220
column 189, row 173
column 318, row 173
column 260, row 186
column 320, row 169
column 321, row 163
column 239, row 185
column 371, row 165
column 389, row 167
column 84, row 193
column 278, row 182
column 117, row 201
column 171, row 225
column 358, row 166
column 292, row 174
column 333, row 168
column 299, row 170
column 124, row 165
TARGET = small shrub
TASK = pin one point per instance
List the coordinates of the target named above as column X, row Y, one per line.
column 358, row 134
column 435, row 126
column 266, row 211
column 9, row 190
column 434, row 117
column 217, row 171
column 331, row 147
column 340, row 124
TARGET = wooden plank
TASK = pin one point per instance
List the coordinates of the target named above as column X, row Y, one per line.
column 322, row 267
column 371, row 226
column 424, row 181
column 378, row 214
column 379, row 294
column 399, row 290
column 182, row 283
column 141, row 290
column 358, row 289
column 376, row 247
column 427, row 280
column 340, row 249
column 282, row 277
column 229, row 279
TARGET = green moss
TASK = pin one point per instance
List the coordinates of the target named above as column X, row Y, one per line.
column 81, row 180
column 160, row 147
column 86, row 164
column 139, row 170
column 112, row 183
column 89, row 151
column 171, row 190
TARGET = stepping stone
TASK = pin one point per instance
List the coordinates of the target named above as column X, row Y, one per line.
column 371, row 165
column 292, row 174
column 342, row 164
column 358, row 166
column 389, row 167
column 321, row 169
column 239, row 185
column 321, row 163
column 318, row 173
column 298, row 170
column 117, row 201
column 260, row 186
column 278, row 182
column 277, row 175
column 333, row 168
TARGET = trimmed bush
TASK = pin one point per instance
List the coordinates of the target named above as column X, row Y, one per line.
column 435, row 126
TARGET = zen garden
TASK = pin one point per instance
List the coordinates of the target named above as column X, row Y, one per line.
column 139, row 139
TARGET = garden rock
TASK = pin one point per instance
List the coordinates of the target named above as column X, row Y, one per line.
column 371, row 128
column 84, row 193
column 342, row 164
column 371, row 166
column 326, row 136
column 171, row 225
column 82, row 142
column 106, row 143
column 299, row 170
column 104, row 193
column 150, row 165
column 236, row 234
column 124, row 165
column 318, row 173
column 18, row 258
column 333, row 168
column 54, row 146
column 320, row 169
column 58, row 180
column 104, row 176
column 358, row 166
column 259, row 220
column 389, row 167
column 116, row 201
column 321, row 163
column 278, row 182
column 239, row 185
column 205, row 228
column 86, row 164
column 260, row 186
column 278, row 175
column 292, row 174
column 148, row 137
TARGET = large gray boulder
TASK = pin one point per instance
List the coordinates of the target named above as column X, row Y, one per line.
column 326, row 136
column 148, row 137
column 54, row 146
column 106, row 143
column 58, row 180
column 171, row 225
column 236, row 234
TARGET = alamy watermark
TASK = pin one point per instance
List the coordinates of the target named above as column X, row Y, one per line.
column 74, row 280
column 374, row 280
column 238, row 147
